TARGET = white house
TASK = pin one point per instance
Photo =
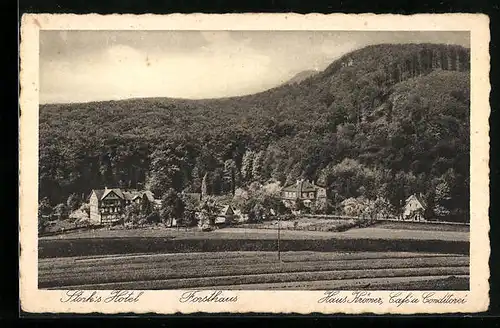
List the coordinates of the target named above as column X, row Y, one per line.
column 225, row 215
column 107, row 205
column 414, row 208
column 303, row 191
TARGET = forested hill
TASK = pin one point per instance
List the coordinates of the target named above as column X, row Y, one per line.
column 384, row 121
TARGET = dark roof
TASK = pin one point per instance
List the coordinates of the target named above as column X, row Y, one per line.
column 301, row 186
column 98, row 192
column 124, row 194
column 421, row 199
column 117, row 191
column 131, row 194
column 149, row 195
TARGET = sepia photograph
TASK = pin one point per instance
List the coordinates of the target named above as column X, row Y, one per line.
column 211, row 162
column 254, row 160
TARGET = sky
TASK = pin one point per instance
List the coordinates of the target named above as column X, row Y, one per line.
column 83, row 66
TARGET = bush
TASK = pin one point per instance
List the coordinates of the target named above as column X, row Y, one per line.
column 82, row 222
column 73, row 202
column 288, row 217
column 43, row 223
column 86, row 208
column 153, row 217
column 360, row 223
column 101, row 246
column 61, row 211
column 143, row 222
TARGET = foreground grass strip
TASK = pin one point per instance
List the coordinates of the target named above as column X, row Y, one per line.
column 130, row 272
column 274, row 278
column 455, row 282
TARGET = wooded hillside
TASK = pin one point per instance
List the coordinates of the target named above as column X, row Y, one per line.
column 384, row 121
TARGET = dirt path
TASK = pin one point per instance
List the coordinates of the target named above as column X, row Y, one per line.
column 361, row 233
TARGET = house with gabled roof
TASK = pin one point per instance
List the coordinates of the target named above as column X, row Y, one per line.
column 225, row 215
column 303, row 191
column 414, row 208
column 107, row 205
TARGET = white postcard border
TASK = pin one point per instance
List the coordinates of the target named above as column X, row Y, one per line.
column 167, row 302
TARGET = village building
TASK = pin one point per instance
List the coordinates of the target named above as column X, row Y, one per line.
column 107, row 205
column 414, row 208
column 225, row 216
column 303, row 191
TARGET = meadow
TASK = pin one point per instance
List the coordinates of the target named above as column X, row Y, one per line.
column 422, row 226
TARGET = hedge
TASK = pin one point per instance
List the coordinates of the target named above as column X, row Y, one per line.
column 106, row 246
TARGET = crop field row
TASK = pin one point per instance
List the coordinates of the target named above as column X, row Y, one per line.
column 293, row 277
column 243, row 269
column 167, row 270
column 234, row 257
column 226, row 267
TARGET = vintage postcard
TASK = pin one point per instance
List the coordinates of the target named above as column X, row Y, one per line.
column 254, row 163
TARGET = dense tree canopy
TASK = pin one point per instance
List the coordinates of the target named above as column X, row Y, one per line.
column 383, row 121
column 172, row 207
